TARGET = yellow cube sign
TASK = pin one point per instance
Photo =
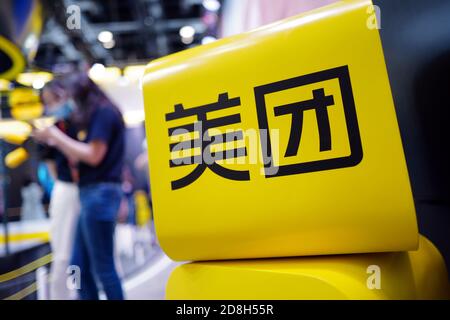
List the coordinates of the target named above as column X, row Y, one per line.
column 279, row 142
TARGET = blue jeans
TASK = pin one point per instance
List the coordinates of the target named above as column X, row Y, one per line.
column 93, row 249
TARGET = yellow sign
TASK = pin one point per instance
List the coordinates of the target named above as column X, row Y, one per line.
column 279, row 142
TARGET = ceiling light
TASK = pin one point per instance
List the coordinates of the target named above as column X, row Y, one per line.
column 97, row 71
column 187, row 32
column 109, row 44
column 208, row 39
column 187, row 40
column 211, row 5
column 38, row 84
column 105, row 36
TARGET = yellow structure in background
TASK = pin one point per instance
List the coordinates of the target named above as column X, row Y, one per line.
column 26, row 108
column 143, row 211
column 20, row 37
column 34, row 79
column 417, row 274
column 331, row 178
column 25, row 104
column 15, row 132
column 16, row 157
column 4, row 85
column 14, row 55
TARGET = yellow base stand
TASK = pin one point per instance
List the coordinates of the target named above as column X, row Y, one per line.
column 417, row 274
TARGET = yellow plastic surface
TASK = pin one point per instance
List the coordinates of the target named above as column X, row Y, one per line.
column 16, row 157
column 402, row 275
column 350, row 194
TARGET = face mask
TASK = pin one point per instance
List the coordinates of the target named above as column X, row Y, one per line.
column 63, row 111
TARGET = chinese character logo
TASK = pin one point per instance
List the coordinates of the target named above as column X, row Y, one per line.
column 205, row 141
column 320, row 111
column 310, row 120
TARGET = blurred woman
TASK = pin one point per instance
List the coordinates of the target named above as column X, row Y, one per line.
column 99, row 150
column 64, row 202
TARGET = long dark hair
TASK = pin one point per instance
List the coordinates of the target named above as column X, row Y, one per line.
column 88, row 97
column 57, row 87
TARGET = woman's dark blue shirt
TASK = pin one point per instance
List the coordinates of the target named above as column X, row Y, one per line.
column 106, row 125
